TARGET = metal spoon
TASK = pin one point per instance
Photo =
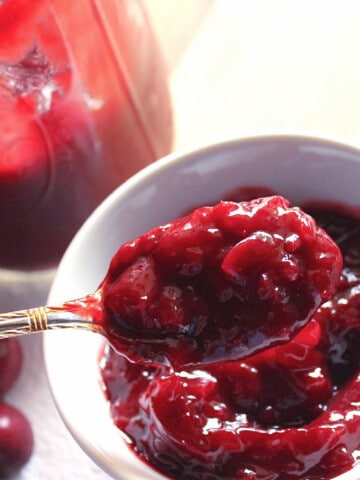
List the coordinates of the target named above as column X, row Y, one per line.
column 79, row 314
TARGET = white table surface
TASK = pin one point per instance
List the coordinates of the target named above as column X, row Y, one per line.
column 236, row 66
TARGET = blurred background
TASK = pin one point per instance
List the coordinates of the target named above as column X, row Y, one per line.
column 236, row 67
column 239, row 66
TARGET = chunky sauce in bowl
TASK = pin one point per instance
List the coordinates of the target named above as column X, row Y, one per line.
column 291, row 411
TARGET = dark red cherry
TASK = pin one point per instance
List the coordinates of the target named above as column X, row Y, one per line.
column 16, row 439
column 11, row 359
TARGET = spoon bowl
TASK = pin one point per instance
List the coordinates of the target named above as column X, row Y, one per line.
column 301, row 168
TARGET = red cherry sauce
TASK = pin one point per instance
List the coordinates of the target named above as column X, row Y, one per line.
column 221, row 283
column 289, row 412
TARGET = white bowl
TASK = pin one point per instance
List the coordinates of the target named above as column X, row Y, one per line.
column 298, row 167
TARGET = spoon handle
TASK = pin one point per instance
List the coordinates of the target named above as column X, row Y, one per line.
column 40, row 319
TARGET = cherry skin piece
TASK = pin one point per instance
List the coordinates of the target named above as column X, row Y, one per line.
column 16, row 440
column 11, row 359
column 222, row 283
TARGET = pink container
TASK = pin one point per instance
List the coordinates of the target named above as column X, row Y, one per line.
column 84, row 104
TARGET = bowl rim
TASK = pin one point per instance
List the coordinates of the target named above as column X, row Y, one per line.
column 186, row 154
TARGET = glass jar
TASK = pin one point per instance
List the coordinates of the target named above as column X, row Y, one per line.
column 84, row 104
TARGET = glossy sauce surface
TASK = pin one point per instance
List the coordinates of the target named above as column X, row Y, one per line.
column 288, row 412
column 221, row 283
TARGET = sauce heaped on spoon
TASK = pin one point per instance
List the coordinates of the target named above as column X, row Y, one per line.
column 221, row 283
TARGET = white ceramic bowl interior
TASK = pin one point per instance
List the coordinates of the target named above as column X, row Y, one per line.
column 298, row 167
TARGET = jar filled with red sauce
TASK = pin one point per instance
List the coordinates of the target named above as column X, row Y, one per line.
column 84, row 104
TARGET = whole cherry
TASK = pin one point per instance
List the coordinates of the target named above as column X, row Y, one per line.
column 16, row 439
column 11, row 359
